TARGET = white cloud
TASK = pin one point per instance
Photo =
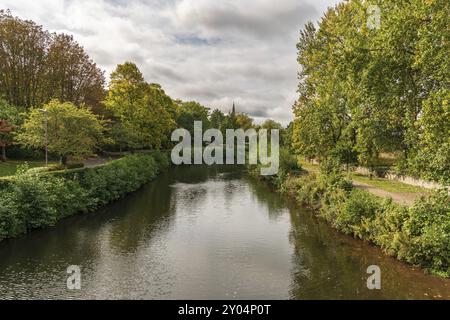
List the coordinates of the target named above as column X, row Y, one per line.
column 215, row 52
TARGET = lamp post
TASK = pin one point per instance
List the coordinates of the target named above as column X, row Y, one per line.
column 44, row 111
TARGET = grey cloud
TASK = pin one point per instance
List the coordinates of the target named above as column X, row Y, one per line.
column 259, row 18
column 163, row 72
column 215, row 52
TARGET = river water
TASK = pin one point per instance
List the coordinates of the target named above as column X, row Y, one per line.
column 203, row 233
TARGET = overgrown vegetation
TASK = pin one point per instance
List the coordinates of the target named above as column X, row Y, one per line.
column 288, row 165
column 418, row 235
column 33, row 199
column 365, row 92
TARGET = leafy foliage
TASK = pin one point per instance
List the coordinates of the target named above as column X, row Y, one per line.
column 38, row 199
column 37, row 66
column 366, row 91
column 142, row 113
column 418, row 235
column 72, row 131
column 10, row 118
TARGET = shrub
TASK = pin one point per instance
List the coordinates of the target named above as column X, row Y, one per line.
column 332, row 203
column 361, row 206
column 30, row 200
column 418, row 235
column 310, row 193
column 428, row 230
column 288, row 165
column 386, row 228
column 288, row 161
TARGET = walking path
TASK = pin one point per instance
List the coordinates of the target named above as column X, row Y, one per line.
column 94, row 162
column 403, row 198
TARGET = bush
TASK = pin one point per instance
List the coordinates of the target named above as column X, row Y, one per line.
column 386, row 228
column 288, row 165
column 360, row 206
column 288, row 161
column 310, row 193
column 418, row 235
column 428, row 230
column 30, row 200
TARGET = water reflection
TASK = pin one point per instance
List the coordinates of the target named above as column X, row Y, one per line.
column 203, row 232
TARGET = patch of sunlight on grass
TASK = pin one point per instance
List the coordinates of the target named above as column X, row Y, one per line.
column 307, row 165
column 388, row 185
column 9, row 168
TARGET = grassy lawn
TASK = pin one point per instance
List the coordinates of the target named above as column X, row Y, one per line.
column 9, row 168
column 384, row 184
column 388, row 185
column 308, row 166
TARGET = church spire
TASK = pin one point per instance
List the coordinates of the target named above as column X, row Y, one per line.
column 233, row 111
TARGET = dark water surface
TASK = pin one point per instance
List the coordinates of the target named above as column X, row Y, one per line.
column 203, row 233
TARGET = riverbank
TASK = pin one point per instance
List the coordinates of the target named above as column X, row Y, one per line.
column 31, row 200
column 201, row 232
column 416, row 234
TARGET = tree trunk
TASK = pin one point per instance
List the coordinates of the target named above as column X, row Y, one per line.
column 3, row 157
column 63, row 160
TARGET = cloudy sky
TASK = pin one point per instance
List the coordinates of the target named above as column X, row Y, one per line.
column 211, row 51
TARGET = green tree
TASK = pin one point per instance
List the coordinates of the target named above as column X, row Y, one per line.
column 189, row 112
column 217, row 118
column 243, row 121
column 72, row 131
column 37, row 66
column 270, row 124
column 363, row 90
column 141, row 112
column 433, row 158
column 23, row 46
column 10, row 118
column 71, row 75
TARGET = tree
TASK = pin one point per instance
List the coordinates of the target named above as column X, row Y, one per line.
column 189, row 112
column 23, row 46
column 71, row 75
column 217, row 118
column 5, row 132
column 364, row 91
column 37, row 66
column 72, row 131
column 141, row 112
column 433, row 158
column 243, row 121
column 10, row 118
column 286, row 137
column 270, row 124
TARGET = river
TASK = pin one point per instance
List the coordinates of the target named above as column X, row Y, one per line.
column 203, row 233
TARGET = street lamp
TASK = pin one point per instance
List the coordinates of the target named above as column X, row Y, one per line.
column 44, row 111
